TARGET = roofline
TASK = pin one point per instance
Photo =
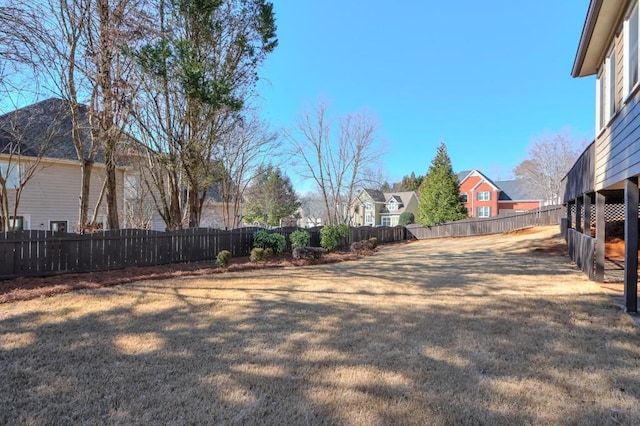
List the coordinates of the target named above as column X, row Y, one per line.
column 585, row 37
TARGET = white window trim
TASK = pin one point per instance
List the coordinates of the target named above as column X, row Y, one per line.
column 599, row 98
column 481, row 196
column 482, row 209
column 627, row 90
column 611, row 83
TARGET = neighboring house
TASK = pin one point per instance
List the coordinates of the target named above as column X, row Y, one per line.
column 607, row 171
column 487, row 198
column 41, row 134
column 38, row 139
column 373, row 207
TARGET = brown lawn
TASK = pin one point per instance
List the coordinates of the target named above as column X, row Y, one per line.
column 485, row 330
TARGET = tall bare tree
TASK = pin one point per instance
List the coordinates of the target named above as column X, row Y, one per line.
column 550, row 158
column 198, row 73
column 249, row 146
column 338, row 163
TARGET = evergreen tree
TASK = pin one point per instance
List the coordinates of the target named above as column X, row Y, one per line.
column 271, row 197
column 440, row 199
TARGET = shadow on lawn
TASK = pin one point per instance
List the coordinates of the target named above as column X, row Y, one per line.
column 288, row 355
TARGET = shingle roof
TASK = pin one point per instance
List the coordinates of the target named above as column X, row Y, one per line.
column 44, row 128
column 463, row 174
column 514, row 190
column 376, row 195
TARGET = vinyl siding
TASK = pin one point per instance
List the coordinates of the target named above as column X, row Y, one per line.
column 617, row 147
column 52, row 195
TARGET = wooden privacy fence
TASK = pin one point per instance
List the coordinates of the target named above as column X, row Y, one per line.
column 582, row 250
column 497, row 225
column 39, row 253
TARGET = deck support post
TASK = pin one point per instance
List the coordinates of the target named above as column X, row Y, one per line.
column 586, row 217
column 600, row 236
column 579, row 213
column 631, row 244
column 569, row 218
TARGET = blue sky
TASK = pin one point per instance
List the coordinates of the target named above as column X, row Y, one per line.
column 485, row 77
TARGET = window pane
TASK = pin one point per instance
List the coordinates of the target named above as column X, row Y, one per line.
column 611, row 74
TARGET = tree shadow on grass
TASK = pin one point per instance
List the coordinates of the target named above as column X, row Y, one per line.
column 401, row 349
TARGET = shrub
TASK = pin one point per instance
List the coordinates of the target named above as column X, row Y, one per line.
column 363, row 245
column 257, row 255
column 268, row 253
column 374, row 242
column 406, row 218
column 223, row 258
column 356, row 246
column 265, row 240
column 277, row 243
column 299, row 239
column 308, row 253
column 331, row 235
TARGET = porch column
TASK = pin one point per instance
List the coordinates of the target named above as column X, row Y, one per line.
column 600, row 236
column 631, row 244
column 569, row 218
column 579, row 222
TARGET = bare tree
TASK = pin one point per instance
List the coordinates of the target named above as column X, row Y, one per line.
column 550, row 158
column 339, row 164
column 242, row 151
column 198, row 73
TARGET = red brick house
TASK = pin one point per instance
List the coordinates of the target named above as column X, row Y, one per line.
column 486, row 198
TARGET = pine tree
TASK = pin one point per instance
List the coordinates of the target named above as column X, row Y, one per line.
column 270, row 198
column 440, row 199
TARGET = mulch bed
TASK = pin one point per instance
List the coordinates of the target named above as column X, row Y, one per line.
column 25, row 288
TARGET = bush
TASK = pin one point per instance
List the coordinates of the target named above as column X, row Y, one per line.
column 265, row 240
column 257, row 255
column 299, row 239
column 308, row 253
column 374, row 242
column 331, row 235
column 406, row 218
column 364, row 245
column 223, row 258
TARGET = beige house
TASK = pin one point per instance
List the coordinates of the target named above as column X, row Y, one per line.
column 373, row 207
column 50, row 197
column 37, row 141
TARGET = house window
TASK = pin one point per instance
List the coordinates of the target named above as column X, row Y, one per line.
column 130, row 187
column 386, row 221
column 484, row 211
column 16, row 223
column 368, row 219
column 11, row 173
column 58, row 226
column 484, row 196
column 391, row 206
column 368, row 206
column 631, row 50
column 465, row 197
column 600, row 101
column 611, row 84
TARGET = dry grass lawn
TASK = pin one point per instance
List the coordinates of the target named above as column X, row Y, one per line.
column 483, row 330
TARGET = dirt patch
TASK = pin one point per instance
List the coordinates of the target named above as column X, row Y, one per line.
column 25, row 288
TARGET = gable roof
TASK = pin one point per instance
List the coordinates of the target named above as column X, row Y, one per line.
column 516, row 190
column 376, row 195
column 463, row 175
column 402, row 198
column 44, row 128
column 483, row 178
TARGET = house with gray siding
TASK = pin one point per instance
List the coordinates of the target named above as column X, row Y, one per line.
column 606, row 174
